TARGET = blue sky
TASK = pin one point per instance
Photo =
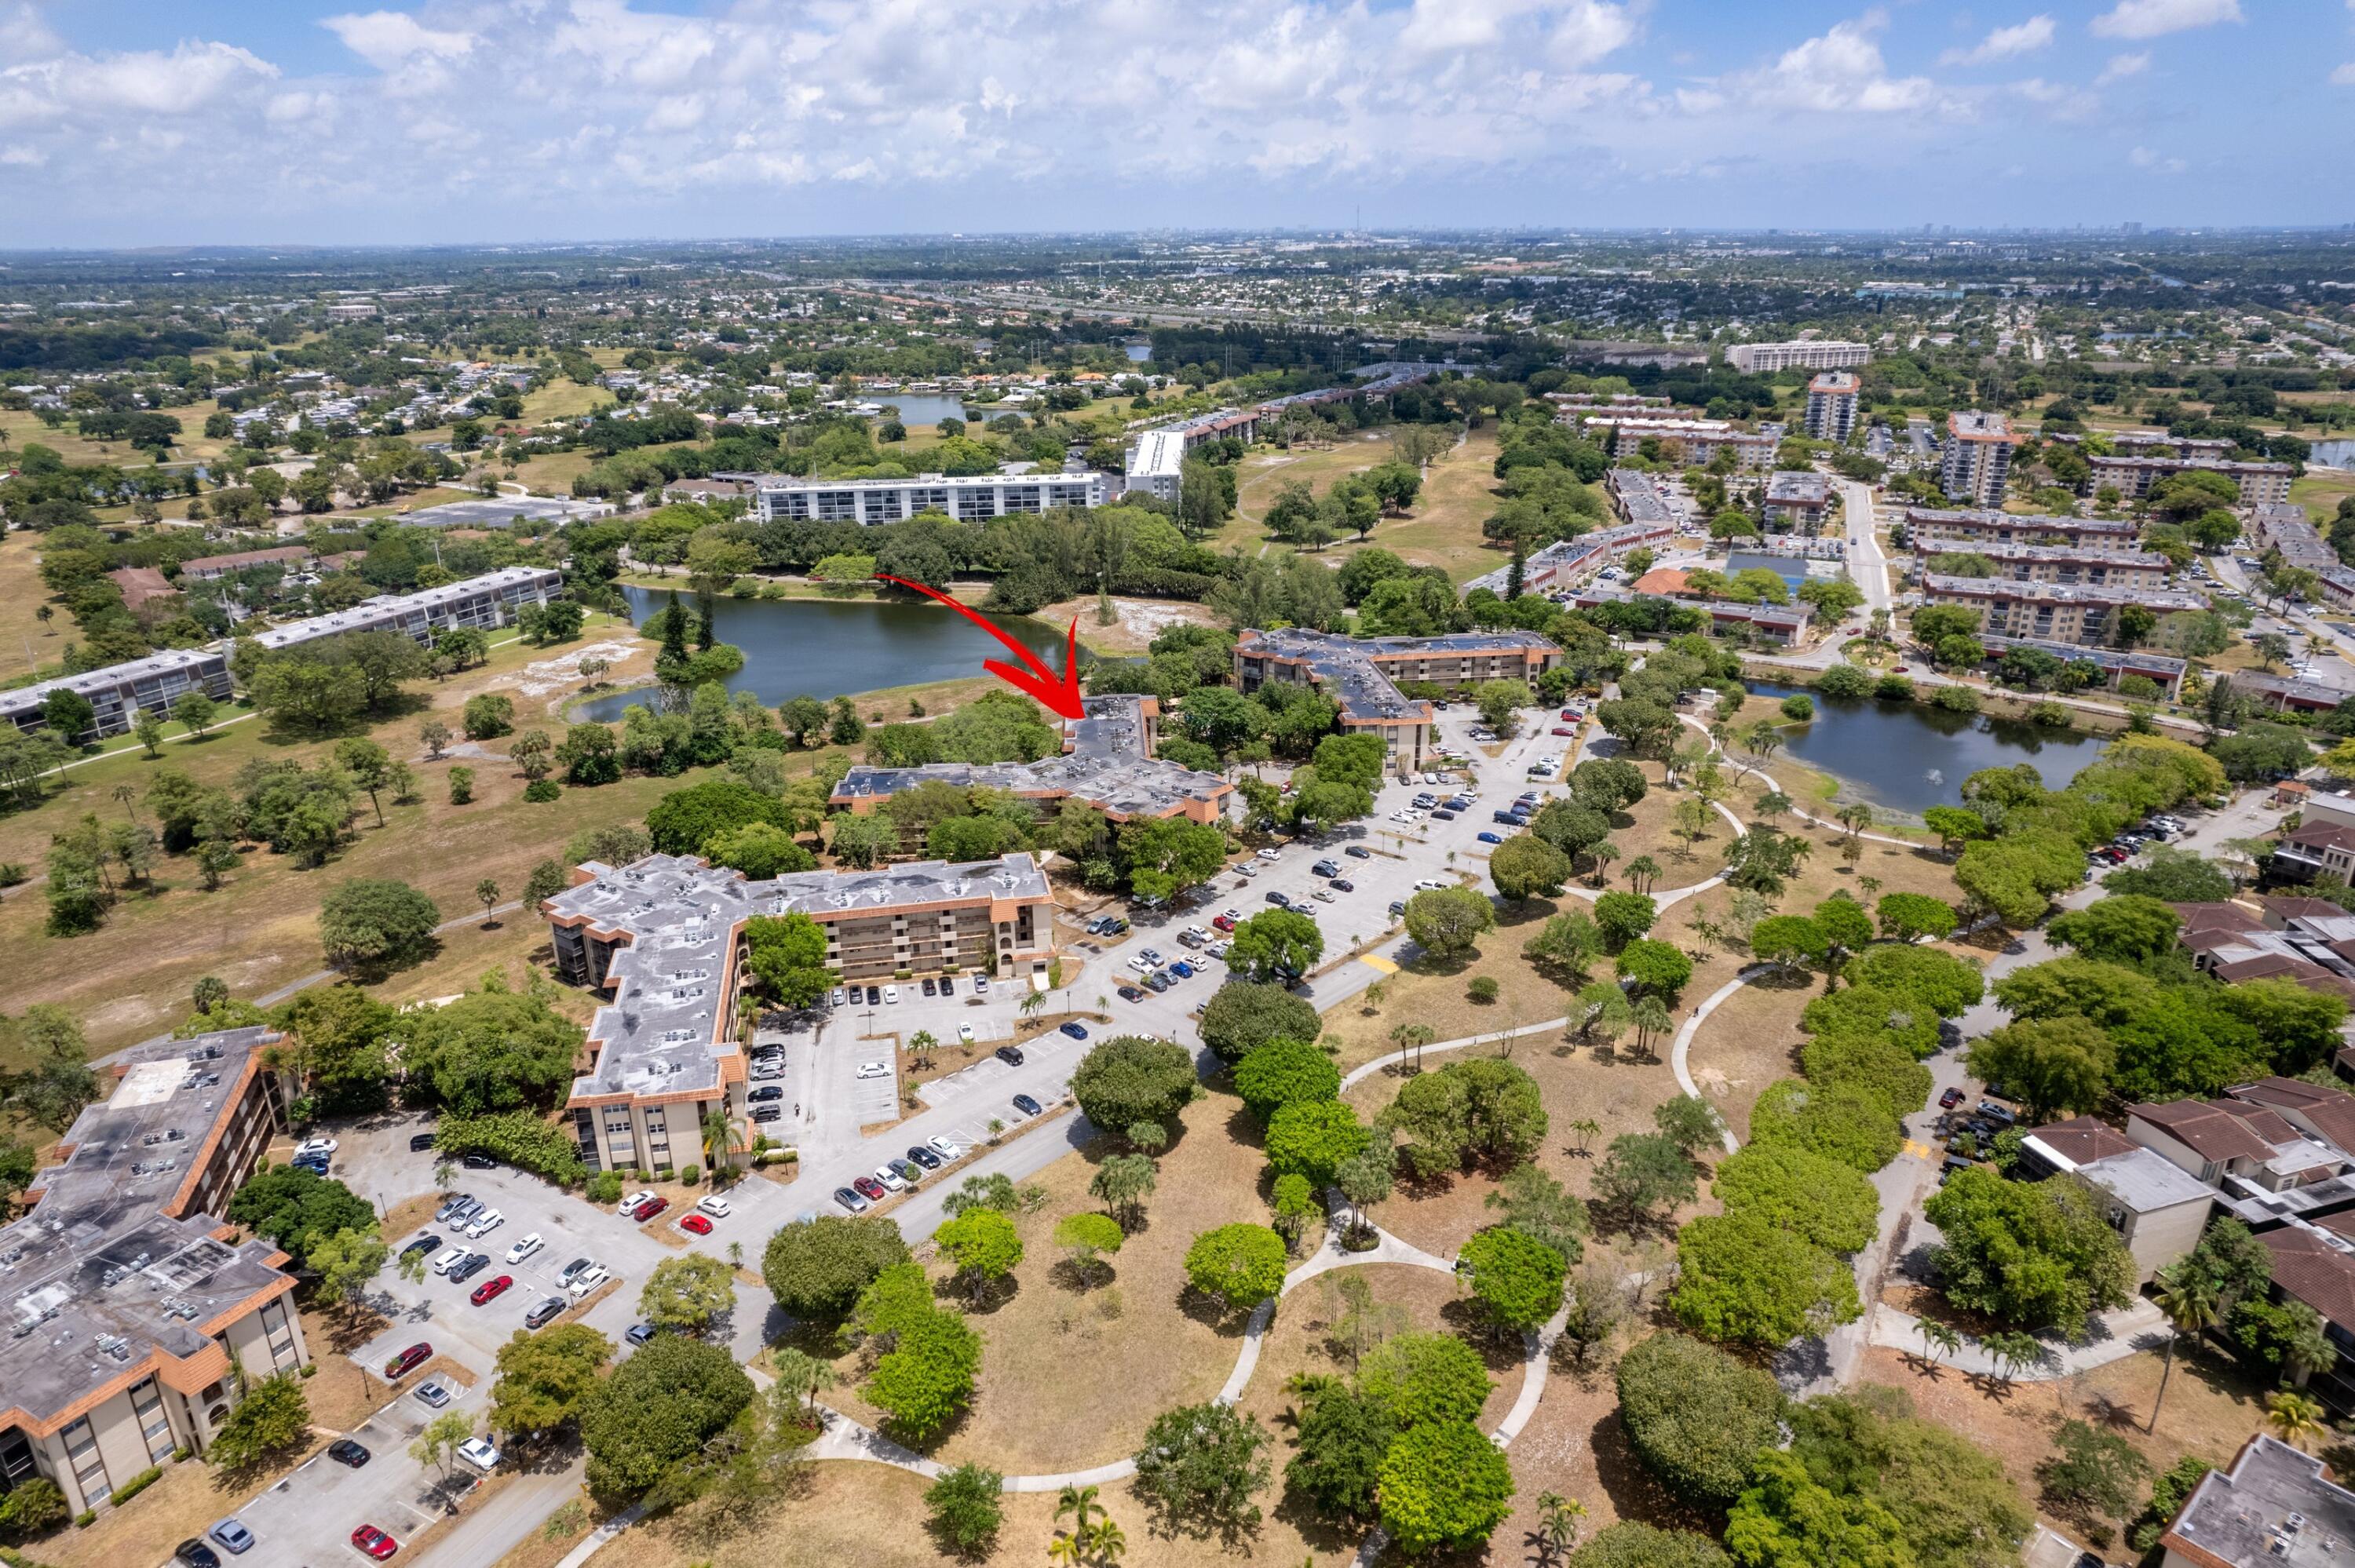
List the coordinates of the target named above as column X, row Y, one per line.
column 183, row 122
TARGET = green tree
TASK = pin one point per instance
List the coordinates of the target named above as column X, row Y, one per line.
column 1122, row 1183
column 1238, row 1264
column 984, row 1247
column 1517, row 1278
column 1526, row 866
column 1422, row 1378
column 964, row 1510
column 1656, row 969
column 1697, row 1416
column 1444, row 1485
column 1241, row 1016
column 1313, row 1139
column 1283, row 1072
column 656, row 1410
column 1819, row 1199
column 545, row 1380
column 1481, row 1111
column 1342, row 1437
column 1446, row 921
column 372, row 925
column 1643, row 1172
column 300, row 1209
column 816, row 1267
column 2033, row 1253
column 1201, row 1466
column 1785, row 1520
column 689, row 1293
column 2092, row 1473
column 272, row 1416
column 1744, row 1279
column 2052, row 1064
column 1134, row 1079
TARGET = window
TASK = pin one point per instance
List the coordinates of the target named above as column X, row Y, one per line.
column 89, row 1464
column 153, row 1423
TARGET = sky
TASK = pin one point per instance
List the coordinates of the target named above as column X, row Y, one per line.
column 171, row 122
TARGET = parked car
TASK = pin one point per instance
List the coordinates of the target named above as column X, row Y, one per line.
column 314, row 1146
column 479, row 1453
column 194, row 1552
column 486, row 1222
column 945, row 1148
column 543, row 1312
column 1075, row 1032
column 932, row 987
column 768, row 1092
column 695, row 1223
column 650, row 1208
column 1950, row 1099
column 907, row 1171
column 448, row 1259
column 346, row 1452
column 1269, row 854
column 231, row 1533
column 1026, row 1105
column 1488, row 838
column 851, row 1200
column 964, row 1033
column 891, row 993
column 1357, row 852
column 1129, row 993
column 871, row 1190
column 478, row 1162
column 717, row 1207
column 475, row 1263
column 1009, row 1054
column 639, row 1334
column 491, row 1289
column 419, row 1142
column 433, row 1393
column 1342, row 884
column 408, row 1361
column 422, row 1244
column 874, row 1069
column 373, row 1542
column 1325, row 868
column 923, row 1157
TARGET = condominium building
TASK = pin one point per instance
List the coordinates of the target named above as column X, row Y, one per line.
column 1566, row 561
column 493, row 599
column 961, row 497
column 2053, row 612
column 1362, row 675
column 119, row 692
column 661, row 938
column 1108, row 764
column 1807, row 354
column 1798, row 501
column 2063, row 564
column 2158, row 443
column 2116, row 665
column 1692, row 443
column 1932, row 530
column 2285, row 527
column 1831, row 405
column 1154, row 462
column 1639, row 500
column 1975, row 464
column 2275, row 1506
column 2135, row 477
column 134, row 1315
column 1574, row 409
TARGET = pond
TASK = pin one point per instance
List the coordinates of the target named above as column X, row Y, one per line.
column 1138, row 353
column 2331, row 454
column 1909, row 758
column 919, row 408
column 824, row 648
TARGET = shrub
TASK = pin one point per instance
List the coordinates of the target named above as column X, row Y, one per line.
column 1799, row 707
column 522, row 1139
column 1482, row 990
column 1425, row 1377
column 1696, row 1416
column 1956, row 699
column 462, row 786
column 1844, row 681
column 539, row 791
column 137, row 1483
column 689, row 1175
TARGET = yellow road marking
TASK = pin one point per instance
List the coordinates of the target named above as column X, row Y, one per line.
column 1373, row 961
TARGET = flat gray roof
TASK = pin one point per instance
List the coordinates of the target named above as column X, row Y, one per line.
column 2275, row 1506
column 387, row 610
column 1106, row 767
column 497, row 511
column 2144, row 1182
column 2062, row 593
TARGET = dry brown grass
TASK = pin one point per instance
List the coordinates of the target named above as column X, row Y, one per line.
column 189, row 1499
column 1458, row 496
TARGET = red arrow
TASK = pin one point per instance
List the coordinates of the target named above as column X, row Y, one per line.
column 1061, row 693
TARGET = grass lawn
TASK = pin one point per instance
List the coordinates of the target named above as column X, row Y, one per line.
column 1458, row 497
column 2320, row 491
column 1139, row 621
column 563, row 398
column 20, row 429
column 1265, row 474
column 24, row 643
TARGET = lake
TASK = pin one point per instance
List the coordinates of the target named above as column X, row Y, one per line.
column 919, row 408
column 1138, row 353
column 2332, row 454
column 824, row 648
column 1909, row 758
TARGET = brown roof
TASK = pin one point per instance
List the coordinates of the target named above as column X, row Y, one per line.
column 2309, row 1269
column 139, row 584
column 2330, row 1111
column 2287, row 907
column 2082, row 1140
column 2322, row 835
column 2209, row 1131
column 246, row 559
column 1662, row 580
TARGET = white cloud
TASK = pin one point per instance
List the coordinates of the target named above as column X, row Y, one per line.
column 2345, row 75
column 2144, row 158
column 1839, row 73
column 2005, row 43
column 2124, row 65
column 2157, row 19
column 387, row 39
column 1580, row 32
column 193, row 77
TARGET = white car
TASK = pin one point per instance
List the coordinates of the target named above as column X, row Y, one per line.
column 479, row 1453
column 448, row 1258
column 314, row 1146
column 717, row 1207
column 1218, row 950
column 981, row 985
column 945, row 1148
column 525, row 1247
column 1428, row 885
column 588, row 1280
column 874, row 1069
column 1141, row 965
column 1323, row 896
column 891, row 993
column 486, row 1223
column 630, row 1204
column 1268, row 854
column 964, row 1033
column 891, row 1178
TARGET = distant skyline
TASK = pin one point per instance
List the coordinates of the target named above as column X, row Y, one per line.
column 134, row 123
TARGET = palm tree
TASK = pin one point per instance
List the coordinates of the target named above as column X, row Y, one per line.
column 1641, row 872
column 801, row 1377
column 1558, row 1517
column 1080, row 1502
column 1602, row 854
column 1856, row 816
column 1413, row 1037
column 2012, row 1351
column 1937, row 1339
column 1587, row 1129
column 719, row 1138
column 1067, row 1550
column 1107, row 1542
column 1651, row 1018
column 2295, row 1417
column 1032, row 1000
column 2190, row 1303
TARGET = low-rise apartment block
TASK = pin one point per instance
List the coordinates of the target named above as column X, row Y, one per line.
column 1932, row 530
column 1975, row 462
column 961, row 497
column 2285, row 527
column 1805, row 353
column 1564, row 561
column 2135, row 477
column 1153, row 464
column 662, row 936
column 2114, row 664
column 2158, row 443
column 1832, row 400
column 119, row 692
column 1800, row 501
column 2053, row 612
column 1691, row 443
column 130, row 1305
column 484, row 603
column 2063, row 564
column 1108, row 764
column 1781, row 624
column 1362, row 675
column 2276, row 1506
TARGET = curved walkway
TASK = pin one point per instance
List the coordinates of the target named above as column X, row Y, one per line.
column 2126, row 1332
column 843, row 1438
column 1356, row 1076
column 1679, row 1051
column 1760, row 770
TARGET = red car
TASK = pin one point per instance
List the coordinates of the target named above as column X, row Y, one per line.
column 491, row 1289
column 1950, row 1099
column 1569, row 713
column 1563, row 729
column 408, row 1361
column 870, row 1188
column 696, row 1225
column 375, row 1542
column 650, row 1208
column 1224, row 922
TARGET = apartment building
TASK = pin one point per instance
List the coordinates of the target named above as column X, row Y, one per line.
column 2135, row 477
column 2116, row 665
column 961, row 497
column 1783, row 623
column 1692, row 443
column 1975, row 462
column 484, row 603
column 2061, row 564
column 119, row 692
column 1155, row 464
column 1564, row 561
column 1935, row 530
column 2158, row 1210
column 1832, row 400
column 661, row 938
column 2276, row 1506
column 2285, row 527
column 1800, row 501
column 2050, row 612
column 128, row 1300
column 205, row 568
column 1362, row 675
column 1805, row 353
column 2158, row 443
column 1107, row 763
column 1639, row 500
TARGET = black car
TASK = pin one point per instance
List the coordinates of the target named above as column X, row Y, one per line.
column 1278, row 899
column 478, row 1162
column 770, row 1112
column 1397, row 907
column 1324, row 868
column 419, row 1142
column 422, row 1244
column 931, row 988
column 343, row 1451
column 769, row 1093
column 1358, row 852
column 1026, row 1105
column 923, row 1157
column 541, row 1314
column 196, row 1553
column 874, row 996
column 1342, row 884
column 468, row 1269
column 1009, row 1054
column 948, row 985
